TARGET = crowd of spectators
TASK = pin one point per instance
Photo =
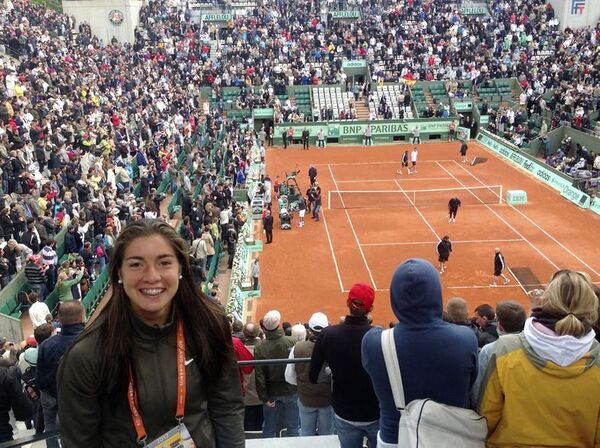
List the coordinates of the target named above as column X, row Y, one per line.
column 279, row 44
column 344, row 390
column 83, row 123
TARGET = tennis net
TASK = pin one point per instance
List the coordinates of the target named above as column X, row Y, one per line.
column 348, row 199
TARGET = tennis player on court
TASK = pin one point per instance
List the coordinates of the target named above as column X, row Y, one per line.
column 463, row 151
column 499, row 266
column 453, row 205
column 443, row 250
column 413, row 160
column 404, row 163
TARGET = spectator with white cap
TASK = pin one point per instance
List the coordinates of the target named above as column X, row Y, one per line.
column 314, row 400
column 298, row 333
column 279, row 398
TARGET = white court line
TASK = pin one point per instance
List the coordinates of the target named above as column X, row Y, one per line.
column 418, row 211
column 398, row 207
column 362, row 254
column 411, row 243
column 378, row 163
column 337, row 269
column 566, row 249
column 413, row 179
column 502, row 219
column 517, row 279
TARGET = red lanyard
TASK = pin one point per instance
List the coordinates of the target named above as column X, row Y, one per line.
column 132, row 397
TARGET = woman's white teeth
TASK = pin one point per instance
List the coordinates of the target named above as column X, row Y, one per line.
column 152, row 292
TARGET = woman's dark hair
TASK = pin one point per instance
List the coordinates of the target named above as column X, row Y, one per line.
column 207, row 331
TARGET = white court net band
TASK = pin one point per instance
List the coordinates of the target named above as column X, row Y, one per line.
column 348, row 199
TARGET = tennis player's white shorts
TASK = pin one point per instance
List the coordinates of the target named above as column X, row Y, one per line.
column 301, row 213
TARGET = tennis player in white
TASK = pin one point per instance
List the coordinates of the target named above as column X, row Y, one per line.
column 413, row 160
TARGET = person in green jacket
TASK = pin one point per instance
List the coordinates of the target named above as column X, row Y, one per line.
column 63, row 286
column 279, row 397
column 158, row 359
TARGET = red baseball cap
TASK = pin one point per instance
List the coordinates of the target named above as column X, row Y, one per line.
column 362, row 296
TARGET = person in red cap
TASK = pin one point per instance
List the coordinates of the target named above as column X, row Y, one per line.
column 353, row 398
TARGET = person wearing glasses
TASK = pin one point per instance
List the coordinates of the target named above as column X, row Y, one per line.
column 542, row 386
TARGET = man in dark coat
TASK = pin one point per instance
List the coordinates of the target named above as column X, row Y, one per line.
column 443, row 249
column 31, row 237
column 312, row 174
column 71, row 241
column 453, row 205
column 485, row 318
column 268, row 226
column 353, row 398
column 11, row 398
column 284, row 137
column 305, row 138
column 71, row 316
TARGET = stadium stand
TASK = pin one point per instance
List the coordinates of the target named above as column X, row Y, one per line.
column 94, row 135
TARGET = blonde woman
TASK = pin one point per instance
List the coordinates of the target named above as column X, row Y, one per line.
column 64, row 284
column 210, row 245
column 541, row 387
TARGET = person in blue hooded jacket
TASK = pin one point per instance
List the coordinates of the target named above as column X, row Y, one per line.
column 437, row 360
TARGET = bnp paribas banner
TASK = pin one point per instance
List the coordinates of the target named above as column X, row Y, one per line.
column 357, row 129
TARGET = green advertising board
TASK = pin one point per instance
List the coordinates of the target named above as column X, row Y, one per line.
column 548, row 175
column 216, row 17
column 378, row 128
column 595, row 205
column 463, row 133
column 361, row 63
column 576, row 196
column 263, row 113
column 312, row 129
column 474, row 10
column 393, row 128
column 345, row 15
column 463, row 106
column 240, row 195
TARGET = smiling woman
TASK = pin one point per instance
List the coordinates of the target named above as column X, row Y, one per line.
column 150, row 276
column 158, row 360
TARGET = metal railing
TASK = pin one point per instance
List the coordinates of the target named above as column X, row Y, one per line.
column 47, row 435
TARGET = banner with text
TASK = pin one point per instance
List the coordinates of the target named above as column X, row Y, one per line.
column 345, row 15
column 595, row 205
column 216, row 18
column 544, row 173
column 474, row 10
column 357, row 129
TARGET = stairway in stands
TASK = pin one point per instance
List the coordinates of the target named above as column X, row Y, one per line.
column 428, row 97
column 362, row 111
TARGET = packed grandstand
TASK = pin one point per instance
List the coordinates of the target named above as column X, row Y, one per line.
column 95, row 135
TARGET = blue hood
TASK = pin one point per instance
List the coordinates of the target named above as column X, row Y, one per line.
column 416, row 292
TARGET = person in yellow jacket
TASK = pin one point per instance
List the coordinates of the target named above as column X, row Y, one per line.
column 19, row 90
column 542, row 387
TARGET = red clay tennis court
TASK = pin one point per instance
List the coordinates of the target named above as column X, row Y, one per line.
column 373, row 219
